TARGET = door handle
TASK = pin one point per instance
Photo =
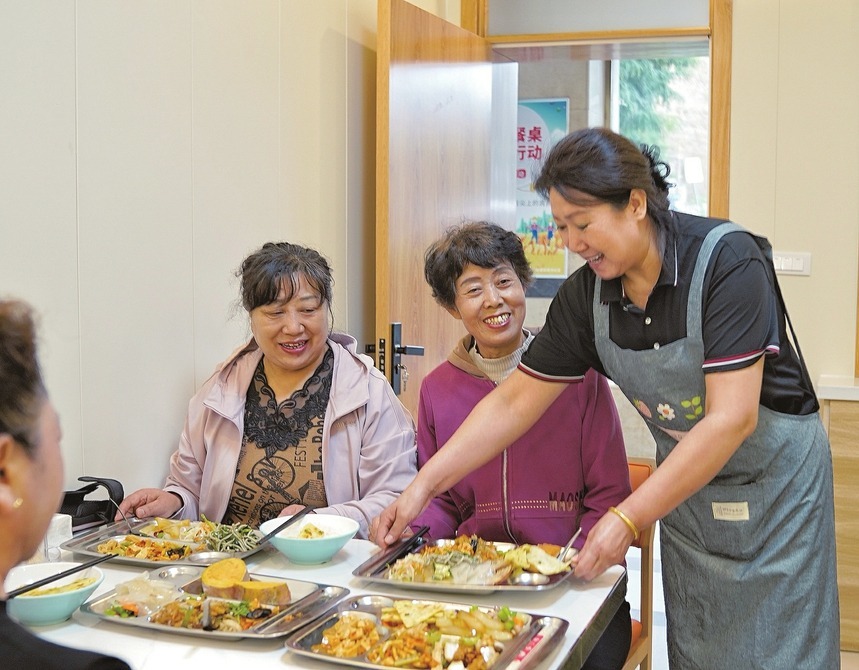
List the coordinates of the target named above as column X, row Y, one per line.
column 409, row 350
column 399, row 372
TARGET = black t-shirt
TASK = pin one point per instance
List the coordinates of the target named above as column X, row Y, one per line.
column 742, row 317
column 19, row 648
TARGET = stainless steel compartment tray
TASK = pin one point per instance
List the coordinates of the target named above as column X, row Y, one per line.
column 375, row 570
column 87, row 545
column 309, row 601
column 533, row 643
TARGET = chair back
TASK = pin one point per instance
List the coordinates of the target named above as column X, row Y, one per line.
column 640, row 651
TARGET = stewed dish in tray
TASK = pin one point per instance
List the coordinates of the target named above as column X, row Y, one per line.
column 222, row 600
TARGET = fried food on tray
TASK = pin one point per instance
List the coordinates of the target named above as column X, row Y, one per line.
column 473, row 561
column 352, row 635
column 235, row 537
column 177, row 529
column 423, row 634
column 133, row 546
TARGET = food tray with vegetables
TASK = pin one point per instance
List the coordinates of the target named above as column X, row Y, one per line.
column 219, row 601
column 467, row 564
column 374, row 631
column 158, row 541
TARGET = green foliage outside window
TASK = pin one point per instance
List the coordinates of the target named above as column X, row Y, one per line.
column 646, row 96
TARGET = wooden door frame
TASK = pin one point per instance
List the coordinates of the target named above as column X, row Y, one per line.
column 474, row 16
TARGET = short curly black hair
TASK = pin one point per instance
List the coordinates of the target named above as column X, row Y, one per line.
column 479, row 243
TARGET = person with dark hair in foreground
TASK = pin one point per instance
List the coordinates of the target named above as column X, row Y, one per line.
column 31, row 487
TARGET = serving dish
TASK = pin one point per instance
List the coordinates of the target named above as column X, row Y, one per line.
column 87, row 545
column 378, row 570
column 387, row 638
column 54, row 602
column 309, row 600
column 316, row 539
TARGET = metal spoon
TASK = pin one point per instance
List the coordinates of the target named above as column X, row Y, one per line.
column 131, row 530
column 562, row 555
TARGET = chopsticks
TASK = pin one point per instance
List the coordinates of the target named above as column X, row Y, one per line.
column 407, row 545
column 59, row 575
column 291, row 520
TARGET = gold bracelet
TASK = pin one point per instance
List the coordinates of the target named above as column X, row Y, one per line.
column 627, row 521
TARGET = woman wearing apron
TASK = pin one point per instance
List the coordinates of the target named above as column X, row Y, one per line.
column 685, row 315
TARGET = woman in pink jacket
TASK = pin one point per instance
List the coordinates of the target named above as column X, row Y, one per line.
column 295, row 417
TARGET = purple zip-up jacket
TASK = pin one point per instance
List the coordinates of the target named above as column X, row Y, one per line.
column 565, row 472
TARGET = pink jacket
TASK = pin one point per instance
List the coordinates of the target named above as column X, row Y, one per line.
column 368, row 440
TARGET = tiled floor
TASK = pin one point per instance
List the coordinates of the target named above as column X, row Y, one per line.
column 849, row 661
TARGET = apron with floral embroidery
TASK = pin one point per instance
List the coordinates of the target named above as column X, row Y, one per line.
column 748, row 562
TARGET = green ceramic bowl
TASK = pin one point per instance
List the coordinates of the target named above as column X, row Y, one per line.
column 43, row 610
column 337, row 531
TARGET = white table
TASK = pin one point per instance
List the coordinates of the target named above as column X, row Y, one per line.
column 587, row 607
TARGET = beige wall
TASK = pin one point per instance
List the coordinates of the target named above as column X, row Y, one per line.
column 795, row 158
column 146, row 147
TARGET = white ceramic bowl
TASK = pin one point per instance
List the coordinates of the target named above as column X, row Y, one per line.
column 338, row 530
column 53, row 608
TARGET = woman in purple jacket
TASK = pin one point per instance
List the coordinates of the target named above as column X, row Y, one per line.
column 561, row 475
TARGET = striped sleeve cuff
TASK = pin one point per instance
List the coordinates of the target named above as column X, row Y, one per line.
column 550, row 378
column 739, row 361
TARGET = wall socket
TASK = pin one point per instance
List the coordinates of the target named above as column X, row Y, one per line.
column 792, row 262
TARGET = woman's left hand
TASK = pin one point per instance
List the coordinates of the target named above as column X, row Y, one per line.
column 289, row 510
column 606, row 545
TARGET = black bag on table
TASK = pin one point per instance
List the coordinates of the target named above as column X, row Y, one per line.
column 88, row 513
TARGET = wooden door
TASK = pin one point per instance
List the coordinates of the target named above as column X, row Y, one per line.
column 433, row 148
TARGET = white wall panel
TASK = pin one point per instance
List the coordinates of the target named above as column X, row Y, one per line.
column 313, row 134
column 38, row 225
column 817, row 208
column 357, row 279
column 145, row 149
column 235, row 102
column 795, row 158
column 754, row 115
column 134, row 194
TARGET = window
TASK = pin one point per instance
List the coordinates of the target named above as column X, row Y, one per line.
column 666, row 102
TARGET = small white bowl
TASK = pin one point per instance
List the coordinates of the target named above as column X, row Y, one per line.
column 338, row 530
column 52, row 608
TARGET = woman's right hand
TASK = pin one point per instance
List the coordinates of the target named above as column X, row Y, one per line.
column 394, row 520
column 145, row 503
